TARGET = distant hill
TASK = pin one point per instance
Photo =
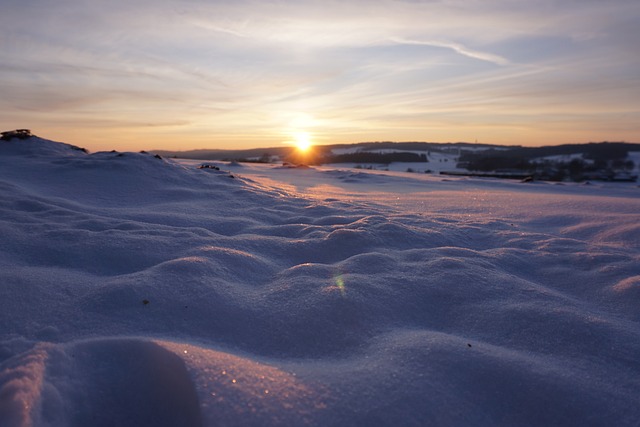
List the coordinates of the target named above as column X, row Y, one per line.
column 322, row 150
column 467, row 151
column 592, row 150
column 215, row 154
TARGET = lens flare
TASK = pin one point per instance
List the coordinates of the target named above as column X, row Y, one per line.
column 340, row 284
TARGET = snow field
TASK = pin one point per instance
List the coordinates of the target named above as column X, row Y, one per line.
column 142, row 291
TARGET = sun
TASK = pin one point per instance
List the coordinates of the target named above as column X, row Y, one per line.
column 302, row 141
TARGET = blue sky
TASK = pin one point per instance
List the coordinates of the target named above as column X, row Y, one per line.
column 230, row 74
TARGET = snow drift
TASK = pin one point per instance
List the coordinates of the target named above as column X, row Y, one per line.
column 139, row 291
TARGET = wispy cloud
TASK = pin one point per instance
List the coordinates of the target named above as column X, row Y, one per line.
column 456, row 47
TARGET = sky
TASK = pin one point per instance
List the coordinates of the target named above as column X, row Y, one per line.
column 169, row 74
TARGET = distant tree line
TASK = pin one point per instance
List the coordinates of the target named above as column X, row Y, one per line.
column 372, row 157
column 598, row 161
column 593, row 151
column 494, row 161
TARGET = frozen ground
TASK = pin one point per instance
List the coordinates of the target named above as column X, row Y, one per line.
column 137, row 291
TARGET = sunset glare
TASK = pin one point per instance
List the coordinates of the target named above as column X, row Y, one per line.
column 235, row 74
column 303, row 141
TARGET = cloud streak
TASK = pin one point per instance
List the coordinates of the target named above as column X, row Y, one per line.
column 456, row 47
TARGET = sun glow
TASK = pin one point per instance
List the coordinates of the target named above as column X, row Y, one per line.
column 302, row 141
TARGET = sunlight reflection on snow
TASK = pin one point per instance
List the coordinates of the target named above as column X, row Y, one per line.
column 232, row 385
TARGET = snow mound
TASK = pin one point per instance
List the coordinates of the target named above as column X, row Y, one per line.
column 34, row 146
column 142, row 291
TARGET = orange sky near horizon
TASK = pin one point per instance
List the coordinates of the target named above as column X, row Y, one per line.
column 247, row 74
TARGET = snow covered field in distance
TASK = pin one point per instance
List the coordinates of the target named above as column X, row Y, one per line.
column 141, row 291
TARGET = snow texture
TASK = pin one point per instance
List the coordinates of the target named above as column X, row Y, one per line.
column 139, row 291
